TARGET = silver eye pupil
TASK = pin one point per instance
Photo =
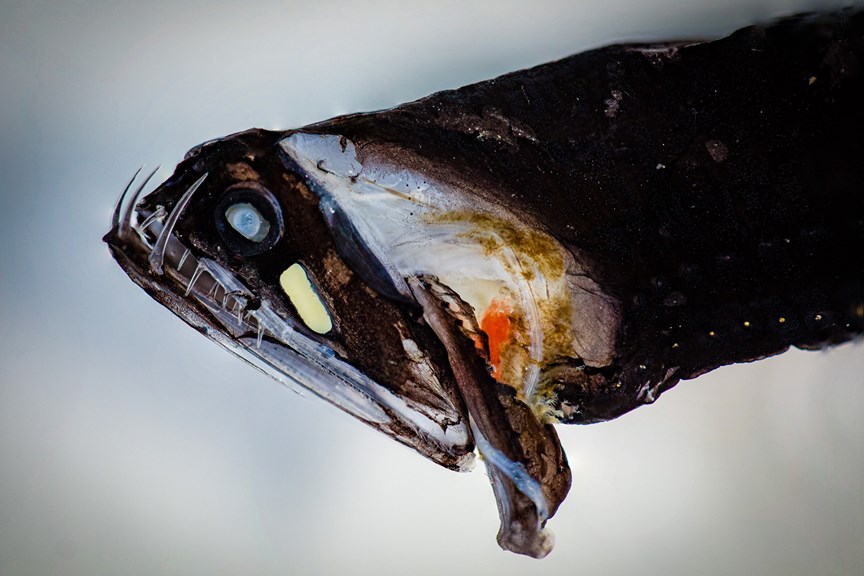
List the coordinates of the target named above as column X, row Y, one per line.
column 247, row 221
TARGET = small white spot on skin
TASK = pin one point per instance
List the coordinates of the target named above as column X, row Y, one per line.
column 247, row 221
column 412, row 349
column 613, row 103
column 717, row 150
column 296, row 285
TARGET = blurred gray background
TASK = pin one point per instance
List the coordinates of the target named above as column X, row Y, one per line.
column 131, row 445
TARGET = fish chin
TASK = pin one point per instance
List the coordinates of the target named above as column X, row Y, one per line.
column 212, row 299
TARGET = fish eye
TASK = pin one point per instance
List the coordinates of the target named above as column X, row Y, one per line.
column 249, row 219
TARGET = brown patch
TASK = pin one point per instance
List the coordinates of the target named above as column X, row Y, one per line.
column 495, row 234
column 242, row 172
column 301, row 187
column 336, row 270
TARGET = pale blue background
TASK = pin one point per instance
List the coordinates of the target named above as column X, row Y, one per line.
column 131, row 445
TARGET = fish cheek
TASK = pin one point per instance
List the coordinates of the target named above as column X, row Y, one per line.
column 196, row 229
column 372, row 328
column 379, row 335
column 366, row 322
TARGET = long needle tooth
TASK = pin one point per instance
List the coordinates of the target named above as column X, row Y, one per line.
column 126, row 220
column 157, row 256
column 115, row 218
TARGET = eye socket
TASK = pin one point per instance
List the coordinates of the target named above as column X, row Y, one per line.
column 249, row 219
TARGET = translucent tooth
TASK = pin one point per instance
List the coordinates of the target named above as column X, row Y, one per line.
column 239, row 308
column 126, row 221
column 157, row 256
column 200, row 269
column 157, row 215
column 183, row 259
column 260, row 334
column 214, row 289
column 115, row 219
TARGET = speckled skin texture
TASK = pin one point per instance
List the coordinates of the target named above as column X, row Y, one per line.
column 715, row 189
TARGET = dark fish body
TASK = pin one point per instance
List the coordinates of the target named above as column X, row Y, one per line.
column 560, row 244
column 717, row 189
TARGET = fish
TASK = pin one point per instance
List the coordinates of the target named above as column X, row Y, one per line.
column 559, row 245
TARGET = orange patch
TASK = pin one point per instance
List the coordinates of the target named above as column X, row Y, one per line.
column 496, row 324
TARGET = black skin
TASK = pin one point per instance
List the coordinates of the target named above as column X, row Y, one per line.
column 714, row 189
column 708, row 185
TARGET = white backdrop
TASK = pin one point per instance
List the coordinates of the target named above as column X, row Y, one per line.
column 131, row 445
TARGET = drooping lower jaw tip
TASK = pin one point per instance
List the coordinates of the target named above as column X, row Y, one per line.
column 526, row 540
column 523, row 509
column 525, row 463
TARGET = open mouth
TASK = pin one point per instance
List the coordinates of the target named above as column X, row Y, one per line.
column 212, row 299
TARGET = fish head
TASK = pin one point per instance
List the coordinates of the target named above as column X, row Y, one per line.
column 238, row 245
column 421, row 306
